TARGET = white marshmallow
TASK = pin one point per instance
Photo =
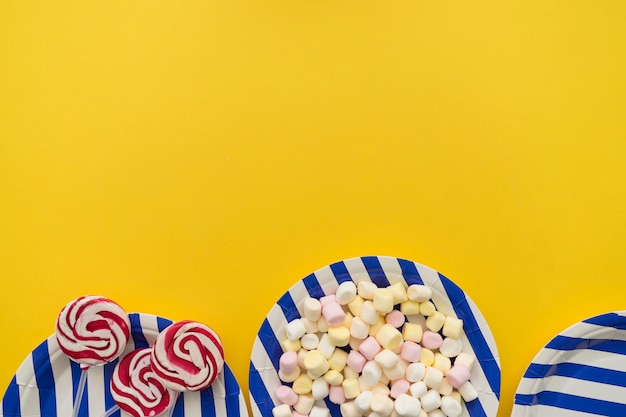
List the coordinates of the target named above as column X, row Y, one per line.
column 310, row 341
column 418, row 389
column 366, row 289
column 362, row 401
column 445, row 388
column 433, row 377
column 407, row 406
column 371, row 373
column 399, row 293
column 312, row 309
column 319, row 411
column 345, row 292
column 450, row 406
column 465, row 359
column 383, row 300
column 382, row 388
column 358, row 328
column 310, row 326
column 435, row 321
column 304, row 404
column 419, row 293
column 325, row 346
column 319, row 390
column 468, row 392
column 415, row 372
column 436, row 413
column 431, row 400
column 394, row 373
column 452, row 327
column 369, row 315
column 451, row 347
column 381, row 404
column 282, row 410
column 387, row 359
column 349, row 410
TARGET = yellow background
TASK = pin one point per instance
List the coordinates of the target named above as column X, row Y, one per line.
column 193, row 159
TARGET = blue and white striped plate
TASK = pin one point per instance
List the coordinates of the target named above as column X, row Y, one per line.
column 581, row 372
column 46, row 383
column 383, row 271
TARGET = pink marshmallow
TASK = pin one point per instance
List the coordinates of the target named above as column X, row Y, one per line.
column 431, row 340
column 395, row 318
column 286, row 395
column 333, row 313
column 356, row 360
column 399, row 387
column 336, row 394
column 369, row 347
column 288, row 362
column 411, row 351
column 458, row 375
column 327, row 299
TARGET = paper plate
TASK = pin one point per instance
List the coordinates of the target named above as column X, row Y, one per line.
column 581, row 372
column 383, row 271
column 46, row 383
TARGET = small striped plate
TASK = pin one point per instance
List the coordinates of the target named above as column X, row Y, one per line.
column 46, row 383
column 383, row 271
column 581, row 372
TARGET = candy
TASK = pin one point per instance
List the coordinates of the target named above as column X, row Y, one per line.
column 334, row 314
column 415, row 372
column 291, row 345
column 418, row 389
column 351, row 388
column 355, row 305
column 399, row 293
column 295, row 329
column 411, row 351
column 386, row 359
column 433, row 377
column 333, row 377
column 408, row 406
column 427, row 357
column 412, row 332
column 316, row 364
column 325, row 346
column 310, row 341
column 320, row 389
column 349, row 410
column 319, row 411
column 451, row 347
column 465, row 359
column 356, row 360
column 399, row 387
column 336, row 394
column 370, row 348
column 383, row 300
column 468, row 392
column 431, row 400
column 289, row 376
column 302, row 384
column 338, row 360
column 358, row 328
column 338, row 336
column 445, row 388
column 419, row 293
column 394, row 373
column 92, row 330
column 327, row 299
column 389, row 337
column 435, row 321
column 136, row 389
column 381, row 404
column 410, row 308
column 371, row 373
column 369, row 314
column 286, row 395
column 450, row 406
column 288, row 362
column 458, row 375
column 187, row 355
column 395, row 318
column 442, row 362
column 431, row 340
column 427, row 308
column 366, row 289
column 362, row 401
column 304, row 404
column 346, row 292
column 312, row 309
column 282, row 410
column 452, row 327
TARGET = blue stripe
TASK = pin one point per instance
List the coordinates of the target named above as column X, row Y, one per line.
column 289, row 307
column 45, row 379
column 574, row 343
column 313, row 286
column 613, row 320
column 162, row 323
column 11, row 400
column 341, row 272
column 572, row 402
column 475, row 408
column 259, row 392
column 232, row 393
column 577, row 371
column 477, row 340
column 109, row 402
column 207, row 403
column 76, row 374
column 375, row 271
column 409, row 272
column 137, row 331
column 179, row 407
column 270, row 343
column 335, row 410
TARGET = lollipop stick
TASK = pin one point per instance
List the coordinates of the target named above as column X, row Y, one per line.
column 79, row 393
column 110, row 411
column 170, row 412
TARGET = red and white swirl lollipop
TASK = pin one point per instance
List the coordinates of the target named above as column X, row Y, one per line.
column 136, row 389
column 92, row 330
column 187, row 356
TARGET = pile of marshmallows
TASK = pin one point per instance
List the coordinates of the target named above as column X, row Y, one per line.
column 355, row 349
column 186, row 356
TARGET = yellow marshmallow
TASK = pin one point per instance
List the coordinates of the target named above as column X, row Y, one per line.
column 338, row 335
column 302, row 384
column 389, row 337
column 337, row 360
column 412, row 332
column 435, row 321
column 333, row 377
column 355, row 305
column 351, row 388
column 409, row 308
column 453, row 327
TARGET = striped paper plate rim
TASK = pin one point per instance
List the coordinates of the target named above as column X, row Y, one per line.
column 383, row 271
column 46, row 383
column 581, row 372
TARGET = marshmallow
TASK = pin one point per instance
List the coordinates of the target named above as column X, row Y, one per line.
column 283, row 410
column 362, row 401
column 338, row 335
column 436, row 413
column 382, row 405
column 290, row 345
column 286, row 395
column 309, row 341
column 450, row 406
column 410, row 308
column 302, row 384
column 386, row 359
column 355, row 343
column 301, row 355
column 389, row 337
column 456, row 395
column 338, row 360
column 355, row 305
column 369, row 348
column 427, row 357
column 319, row 411
column 418, row 389
column 433, row 377
column 445, row 388
column 325, row 346
column 451, row 347
column 349, row 373
column 309, row 325
column 333, row 377
column 316, row 364
column 336, row 394
column 419, row 293
column 312, row 309
column 351, row 388
column 346, row 292
column 431, row 400
column 320, row 389
column 382, row 388
column 395, row 318
column 399, row 293
column 411, row 351
column 369, row 315
column 288, row 362
column 304, row 404
column 468, row 392
column 297, row 414
column 453, row 327
column 415, row 372
column 374, row 328
column 322, row 325
column 394, row 373
column 399, row 387
column 349, row 410
column 358, row 328
column 412, row 332
column 356, row 360
column 348, row 321
column 431, row 340
column 427, row 308
column 383, row 300
column 327, row 299
column 458, row 375
column 289, row 377
column 366, row 289
column 407, row 406
column 435, row 321
column 442, row 362
column 334, row 314
column 295, row 329
column 465, row 359
column 371, row 373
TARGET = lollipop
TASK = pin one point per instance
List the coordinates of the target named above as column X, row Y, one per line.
column 187, row 356
column 92, row 330
column 136, row 389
